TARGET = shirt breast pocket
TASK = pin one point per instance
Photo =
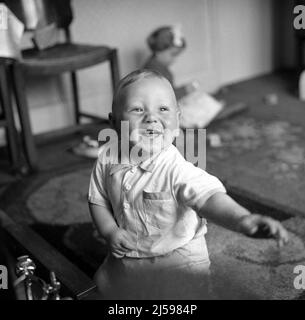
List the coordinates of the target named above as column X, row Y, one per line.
column 160, row 209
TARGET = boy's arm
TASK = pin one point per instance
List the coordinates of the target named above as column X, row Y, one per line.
column 224, row 211
column 103, row 220
column 117, row 239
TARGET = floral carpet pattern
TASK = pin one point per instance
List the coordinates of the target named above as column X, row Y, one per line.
column 64, row 198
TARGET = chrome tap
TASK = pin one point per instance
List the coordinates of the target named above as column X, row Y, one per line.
column 35, row 287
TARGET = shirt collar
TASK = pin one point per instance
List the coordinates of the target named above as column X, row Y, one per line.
column 147, row 165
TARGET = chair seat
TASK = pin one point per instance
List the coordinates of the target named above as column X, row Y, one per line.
column 63, row 58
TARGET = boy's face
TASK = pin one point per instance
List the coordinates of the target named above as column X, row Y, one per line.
column 150, row 107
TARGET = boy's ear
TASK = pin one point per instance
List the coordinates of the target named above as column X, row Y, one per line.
column 178, row 111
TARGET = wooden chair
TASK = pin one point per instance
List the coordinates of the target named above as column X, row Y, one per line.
column 7, row 118
column 61, row 58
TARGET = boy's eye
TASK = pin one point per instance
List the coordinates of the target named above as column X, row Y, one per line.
column 137, row 109
column 163, row 108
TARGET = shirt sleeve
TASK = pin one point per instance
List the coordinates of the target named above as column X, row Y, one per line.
column 97, row 188
column 194, row 186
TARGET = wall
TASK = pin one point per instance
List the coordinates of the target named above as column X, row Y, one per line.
column 228, row 40
column 245, row 38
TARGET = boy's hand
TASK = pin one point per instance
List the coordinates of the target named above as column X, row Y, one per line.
column 258, row 226
column 119, row 243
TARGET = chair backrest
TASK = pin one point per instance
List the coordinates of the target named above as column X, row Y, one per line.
column 44, row 11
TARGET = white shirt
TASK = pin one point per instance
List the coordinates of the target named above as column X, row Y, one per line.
column 155, row 201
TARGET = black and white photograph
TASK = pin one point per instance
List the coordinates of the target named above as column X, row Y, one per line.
column 152, row 153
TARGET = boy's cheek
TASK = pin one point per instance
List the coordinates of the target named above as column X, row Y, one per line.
column 172, row 123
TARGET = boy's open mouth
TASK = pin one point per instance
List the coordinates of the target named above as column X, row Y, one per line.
column 152, row 133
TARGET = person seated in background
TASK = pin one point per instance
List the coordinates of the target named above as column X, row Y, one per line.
column 166, row 44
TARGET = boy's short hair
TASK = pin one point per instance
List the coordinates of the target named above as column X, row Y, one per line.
column 164, row 38
column 133, row 77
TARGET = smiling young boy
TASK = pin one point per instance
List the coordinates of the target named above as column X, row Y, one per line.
column 151, row 209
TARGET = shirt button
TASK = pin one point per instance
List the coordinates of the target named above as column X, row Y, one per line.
column 127, row 187
column 126, row 206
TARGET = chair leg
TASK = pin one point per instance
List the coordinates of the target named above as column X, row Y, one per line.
column 23, row 110
column 75, row 97
column 11, row 132
column 114, row 68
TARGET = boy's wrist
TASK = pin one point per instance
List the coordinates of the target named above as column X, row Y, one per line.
column 242, row 225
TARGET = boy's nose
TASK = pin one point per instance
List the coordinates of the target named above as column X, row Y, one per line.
column 150, row 117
